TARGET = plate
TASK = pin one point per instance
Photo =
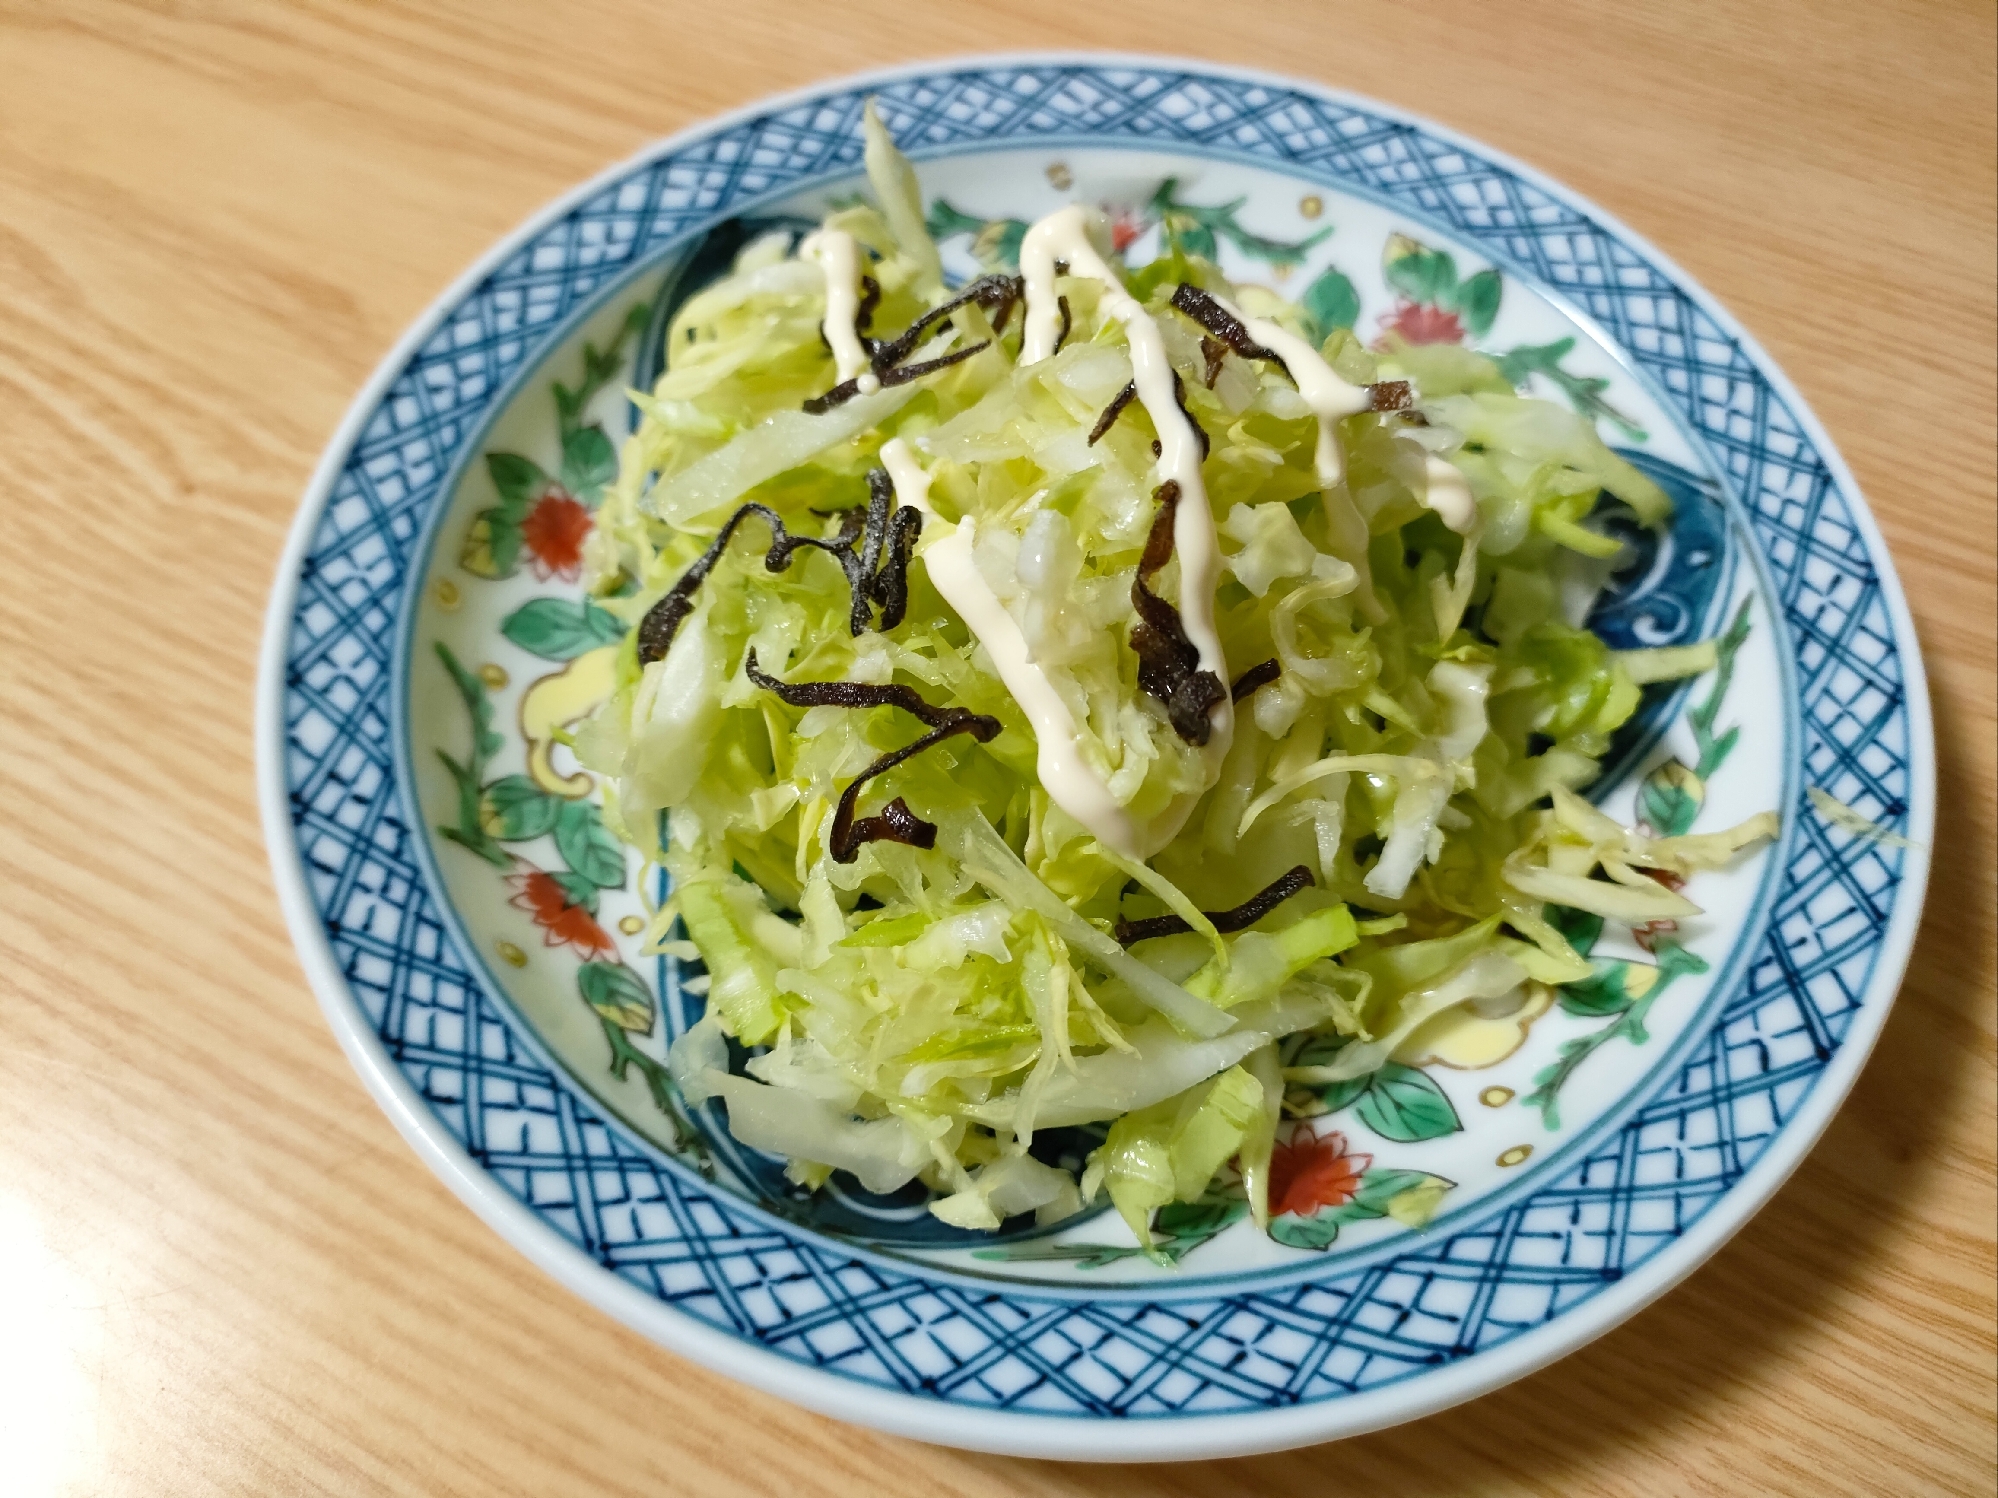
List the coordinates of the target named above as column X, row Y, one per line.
column 1511, row 1188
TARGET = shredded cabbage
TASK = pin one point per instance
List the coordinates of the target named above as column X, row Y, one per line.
column 922, row 1011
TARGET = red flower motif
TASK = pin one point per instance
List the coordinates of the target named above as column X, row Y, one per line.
column 1647, row 934
column 1125, row 227
column 1418, row 322
column 553, row 533
column 1312, row 1172
column 567, row 925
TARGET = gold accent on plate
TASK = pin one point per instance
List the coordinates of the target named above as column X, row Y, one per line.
column 493, row 676
column 1515, row 1156
column 511, row 955
column 447, row 595
column 552, row 704
column 1311, row 205
column 631, row 925
column 1060, row 177
column 1496, row 1097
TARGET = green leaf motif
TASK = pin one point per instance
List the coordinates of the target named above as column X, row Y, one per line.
column 468, row 775
column 1379, row 1187
column 1478, row 302
column 1599, row 997
column 519, row 481
column 944, row 221
column 1337, row 1095
column 589, row 461
column 1714, row 751
column 520, row 809
column 618, row 994
column 1377, row 1196
column 1318, row 1231
column 492, row 545
column 587, row 846
column 1188, row 235
column 600, row 367
column 1424, row 276
column 1331, row 303
column 1406, row 1105
column 1670, row 798
column 576, row 889
column 1181, row 1227
column 560, row 629
column 1584, row 392
column 1581, row 928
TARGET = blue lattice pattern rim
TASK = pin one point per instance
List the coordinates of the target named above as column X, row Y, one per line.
column 1095, row 1376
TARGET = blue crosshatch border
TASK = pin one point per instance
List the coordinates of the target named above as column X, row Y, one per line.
column 1002, row 1347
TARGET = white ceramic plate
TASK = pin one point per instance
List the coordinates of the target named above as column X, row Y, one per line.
column 489, row 989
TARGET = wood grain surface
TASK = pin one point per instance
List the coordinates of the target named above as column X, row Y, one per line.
column 221, row 1272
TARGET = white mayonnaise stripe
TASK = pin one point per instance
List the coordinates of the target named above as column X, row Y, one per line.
column 947, row 553
column 1063, row 235
column 1449, row 495
column 838, row 255
column 1331, row 398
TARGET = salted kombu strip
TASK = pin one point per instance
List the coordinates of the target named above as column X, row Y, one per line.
column 1240, row 918
column 877, row 572
column 1212, row 352
column 1168, row 664
column 997, row 294
column 1254, row 680
column 1221, row 323
column 1112, row 411
column 1383, row 395
column 868, row 694
column 894, row 823
column 1129, row 393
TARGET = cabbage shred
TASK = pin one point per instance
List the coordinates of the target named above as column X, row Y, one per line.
column 919, row 1006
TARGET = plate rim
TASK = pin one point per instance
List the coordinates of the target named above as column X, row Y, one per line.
column 1074, row 1437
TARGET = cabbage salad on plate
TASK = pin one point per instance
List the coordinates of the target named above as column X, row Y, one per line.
column 1077, row 698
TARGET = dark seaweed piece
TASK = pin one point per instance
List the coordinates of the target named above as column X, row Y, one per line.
column 662, row 621
column 1168, row 663
column 1213, row 351
column 896, row 823
column 1254, row 680
column 990, row 292
column 890, row 584
column 1067, row 323
column 870, row 298
column 846, row 390
column 866, row 694
column 876, row 573
column 909, row 372
column 1222, row 323
column 1383, row 395
column 995, row 293
column 1112, row 411
column 1179, row 397
column 1240, row 918
column 839, row 395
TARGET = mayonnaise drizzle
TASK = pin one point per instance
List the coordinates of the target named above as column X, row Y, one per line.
column 1331, row 397
column 838, row 255
column 1067, row 778
column 1063, row 235
column 1449, row 494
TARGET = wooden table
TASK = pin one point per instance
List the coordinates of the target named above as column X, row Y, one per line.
column 220, row 1269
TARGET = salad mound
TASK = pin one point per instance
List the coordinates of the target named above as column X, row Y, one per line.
column 1062, row 700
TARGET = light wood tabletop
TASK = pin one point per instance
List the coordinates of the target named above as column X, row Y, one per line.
column 221, row 1271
